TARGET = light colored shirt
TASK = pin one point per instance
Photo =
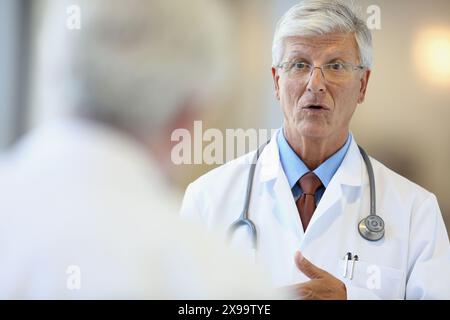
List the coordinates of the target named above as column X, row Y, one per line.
column 295, row 168
column 86, row 214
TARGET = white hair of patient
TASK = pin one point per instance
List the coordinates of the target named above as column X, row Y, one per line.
column 133, row 63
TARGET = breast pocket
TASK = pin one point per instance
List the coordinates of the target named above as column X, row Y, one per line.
column 385, row 282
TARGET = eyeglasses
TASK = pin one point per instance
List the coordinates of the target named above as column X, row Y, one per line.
column 333, row 72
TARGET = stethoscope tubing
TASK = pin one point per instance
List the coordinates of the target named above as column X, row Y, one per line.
column 364, row 229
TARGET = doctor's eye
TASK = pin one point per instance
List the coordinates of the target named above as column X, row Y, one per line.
column 337, row 66
column 300, row 66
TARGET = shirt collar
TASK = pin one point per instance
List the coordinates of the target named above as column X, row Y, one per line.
column 295, row 168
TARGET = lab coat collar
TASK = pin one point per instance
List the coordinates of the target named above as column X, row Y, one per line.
column 270, row 160
column 349, row 172
column 347, row 178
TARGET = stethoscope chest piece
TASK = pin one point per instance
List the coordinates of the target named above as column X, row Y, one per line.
column 371, row 227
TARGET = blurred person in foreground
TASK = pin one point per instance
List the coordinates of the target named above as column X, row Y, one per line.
column 86, row 208
column 310, row 201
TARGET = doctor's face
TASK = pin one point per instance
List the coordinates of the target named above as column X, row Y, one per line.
column 319, row 105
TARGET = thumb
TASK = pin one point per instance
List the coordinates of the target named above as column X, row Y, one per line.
column 308, row 269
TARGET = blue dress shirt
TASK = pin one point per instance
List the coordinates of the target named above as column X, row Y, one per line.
column 295, row 168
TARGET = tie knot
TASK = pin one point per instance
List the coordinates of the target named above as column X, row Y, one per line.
column 310, row 183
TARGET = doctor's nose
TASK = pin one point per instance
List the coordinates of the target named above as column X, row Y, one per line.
column 316, row 83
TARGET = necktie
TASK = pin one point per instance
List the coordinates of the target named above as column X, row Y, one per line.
column 306, row 204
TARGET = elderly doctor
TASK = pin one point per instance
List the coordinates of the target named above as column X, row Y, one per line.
column 311, row 183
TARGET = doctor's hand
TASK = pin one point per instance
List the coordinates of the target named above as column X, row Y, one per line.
column 322, row 286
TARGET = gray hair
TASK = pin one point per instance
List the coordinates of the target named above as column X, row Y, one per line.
column 132, row 63
column 319, row 17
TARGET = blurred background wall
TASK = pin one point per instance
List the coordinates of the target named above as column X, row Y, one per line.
column 404, row 121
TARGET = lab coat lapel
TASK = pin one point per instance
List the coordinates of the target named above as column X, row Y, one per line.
column 277, row 186
column 346, row 179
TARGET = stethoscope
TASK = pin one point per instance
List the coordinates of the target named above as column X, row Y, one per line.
column 370, row 228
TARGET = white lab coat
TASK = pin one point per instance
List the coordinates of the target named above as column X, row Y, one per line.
column 412, row 261
column 86, row 214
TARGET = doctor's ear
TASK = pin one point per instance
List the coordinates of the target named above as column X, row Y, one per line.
column 276, row 78
column 363, row 85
